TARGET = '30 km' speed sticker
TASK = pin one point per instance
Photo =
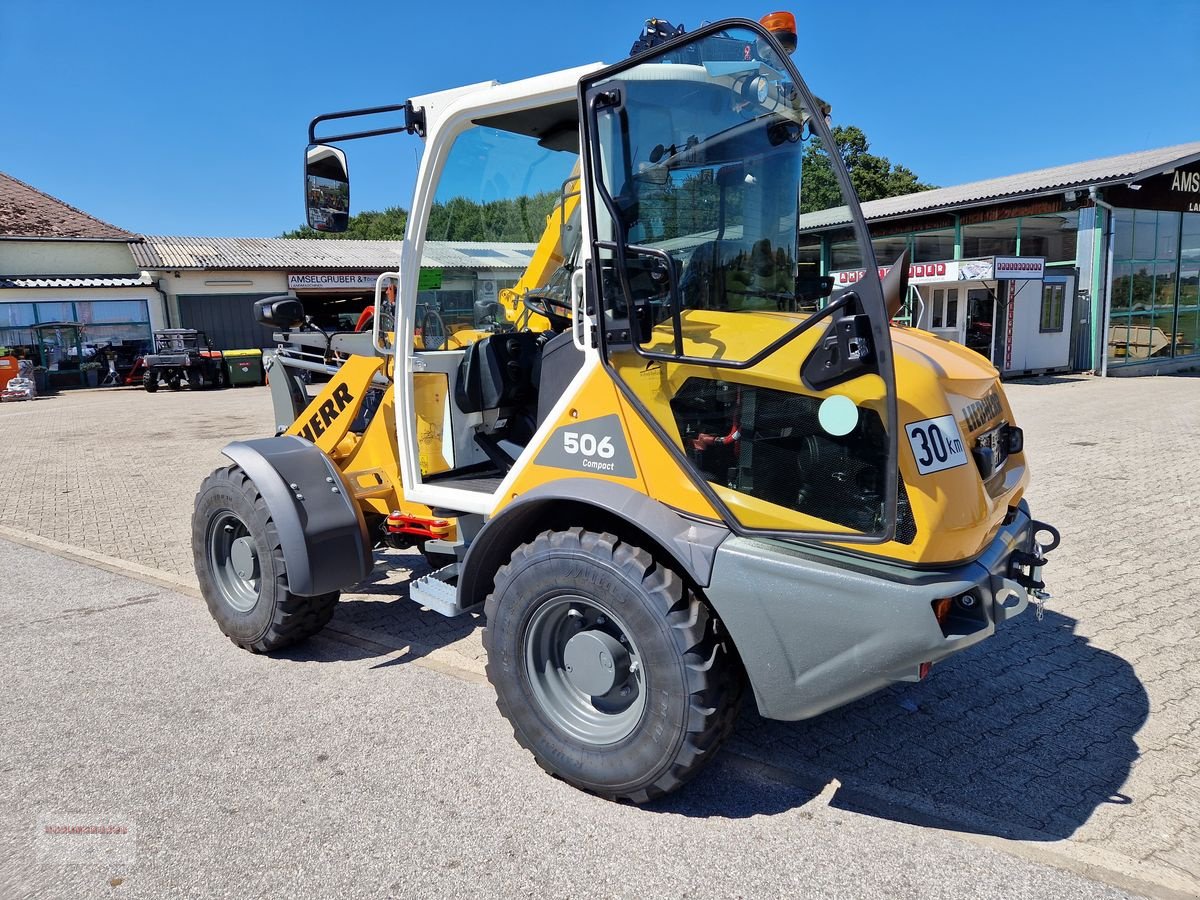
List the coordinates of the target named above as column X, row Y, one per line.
column 936, row 444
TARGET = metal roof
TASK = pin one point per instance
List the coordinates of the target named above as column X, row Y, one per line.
column 298, row 254
column 75, row 281
column 29, row 214
column 1098, row 172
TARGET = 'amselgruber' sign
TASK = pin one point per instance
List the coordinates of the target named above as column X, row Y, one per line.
column 330, row 281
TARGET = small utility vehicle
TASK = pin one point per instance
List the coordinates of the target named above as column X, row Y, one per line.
column 183, row 354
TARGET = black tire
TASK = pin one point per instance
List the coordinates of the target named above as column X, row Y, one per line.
column 255, row 610
column 614, row 593
column 197, row 381
column 219, row 378
column 150, row 382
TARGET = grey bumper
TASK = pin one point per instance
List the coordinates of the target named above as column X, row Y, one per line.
column 816, row 630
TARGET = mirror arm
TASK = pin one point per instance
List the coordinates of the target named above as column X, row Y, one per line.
column 414, row 123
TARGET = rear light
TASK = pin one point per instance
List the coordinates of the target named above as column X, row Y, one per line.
column 1016, row 439
column 942, row 607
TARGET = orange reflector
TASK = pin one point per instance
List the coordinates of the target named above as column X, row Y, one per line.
column 924, row 670
column 783, row 26
column 942, row 608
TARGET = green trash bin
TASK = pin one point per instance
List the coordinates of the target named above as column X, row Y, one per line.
column 244, row 367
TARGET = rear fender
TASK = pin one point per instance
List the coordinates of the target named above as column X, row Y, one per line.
column 321, row 529
column 691, row 546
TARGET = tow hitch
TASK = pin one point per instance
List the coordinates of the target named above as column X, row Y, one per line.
column 1025, row 567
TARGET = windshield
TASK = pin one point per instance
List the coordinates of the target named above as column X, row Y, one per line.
column 712, row 156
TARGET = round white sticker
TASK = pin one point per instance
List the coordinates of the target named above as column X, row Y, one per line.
column 838, row 415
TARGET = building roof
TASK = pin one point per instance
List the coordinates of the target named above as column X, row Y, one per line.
column 1098, row 172
column 75, row 281
column 27, row 213
column 165, row 252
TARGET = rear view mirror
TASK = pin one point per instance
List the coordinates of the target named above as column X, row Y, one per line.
column 284, row 312
column 326, row 188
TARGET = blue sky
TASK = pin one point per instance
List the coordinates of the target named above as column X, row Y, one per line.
column 174, row 118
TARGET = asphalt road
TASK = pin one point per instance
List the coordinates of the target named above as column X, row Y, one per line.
column 342, row 771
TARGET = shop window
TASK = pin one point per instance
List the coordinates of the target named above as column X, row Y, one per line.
column 930, row 246
column 105, row 311
column 1053, row 297
column 888, row 249
column 845, row 255
column 1167, row 245
column 134, row 338
column 1122, row 286
column 55, row 312
column 808, row 258
column 1053, row 236
column 1123, row 234
column 1145, row 233
column 990, row 239
column 944, row 309
column 15, row 314
column 19, row 342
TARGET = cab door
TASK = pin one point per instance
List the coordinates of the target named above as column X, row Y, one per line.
column 708, row 163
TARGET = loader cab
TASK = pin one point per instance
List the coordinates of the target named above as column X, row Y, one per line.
column 697, row 166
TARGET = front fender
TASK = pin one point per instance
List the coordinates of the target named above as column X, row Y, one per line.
column 321, row 529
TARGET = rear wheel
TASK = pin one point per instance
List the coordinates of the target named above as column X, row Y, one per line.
column 240, row 566
column 150, row 382
column 610, row 671
column 197, row 381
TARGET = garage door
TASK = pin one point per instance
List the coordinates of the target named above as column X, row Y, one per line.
column 227, row 319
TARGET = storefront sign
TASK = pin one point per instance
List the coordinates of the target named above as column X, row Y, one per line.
column 1030, row 268
column 429, row 280
column 918, row 273
column 1177, row 191
column 984, row 269
column 1009, row 315
column 330, row 281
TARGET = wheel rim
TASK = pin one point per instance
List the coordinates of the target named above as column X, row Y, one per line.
column 574, row 647
column 233, row 559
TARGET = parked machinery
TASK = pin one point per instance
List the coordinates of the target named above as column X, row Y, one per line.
column 696, row 465
column 183, row 355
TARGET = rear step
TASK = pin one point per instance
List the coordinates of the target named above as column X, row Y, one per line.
column 439, row 591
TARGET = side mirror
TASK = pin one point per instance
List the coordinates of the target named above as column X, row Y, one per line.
column 326, row 188
column 284, row 312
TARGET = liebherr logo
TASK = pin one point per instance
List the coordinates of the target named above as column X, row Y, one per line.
column 976, row 415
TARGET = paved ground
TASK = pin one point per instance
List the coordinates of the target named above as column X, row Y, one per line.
column 1078, row 738
column 336, row 773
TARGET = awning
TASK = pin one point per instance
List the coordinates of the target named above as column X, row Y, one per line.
column 76, row 281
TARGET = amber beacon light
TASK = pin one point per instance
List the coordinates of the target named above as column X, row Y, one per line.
column 783, row 26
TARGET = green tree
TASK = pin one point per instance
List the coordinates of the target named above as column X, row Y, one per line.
column 874, row 177
column 371, row 225
column 512, row 220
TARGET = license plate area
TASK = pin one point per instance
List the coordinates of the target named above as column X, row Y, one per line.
column 991, row 450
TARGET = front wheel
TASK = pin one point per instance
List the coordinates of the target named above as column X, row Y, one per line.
column 240, row 566
column 609, row 669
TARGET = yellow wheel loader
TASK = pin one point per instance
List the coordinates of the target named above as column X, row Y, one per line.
column 676, row 461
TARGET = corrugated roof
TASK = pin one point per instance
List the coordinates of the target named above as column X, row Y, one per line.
column 75, row 281
column 166, row 252
column 26, row 212
column 1108, row 170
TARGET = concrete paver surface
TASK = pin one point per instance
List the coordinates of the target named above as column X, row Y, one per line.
column 1078, row 737
column 330, row 772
